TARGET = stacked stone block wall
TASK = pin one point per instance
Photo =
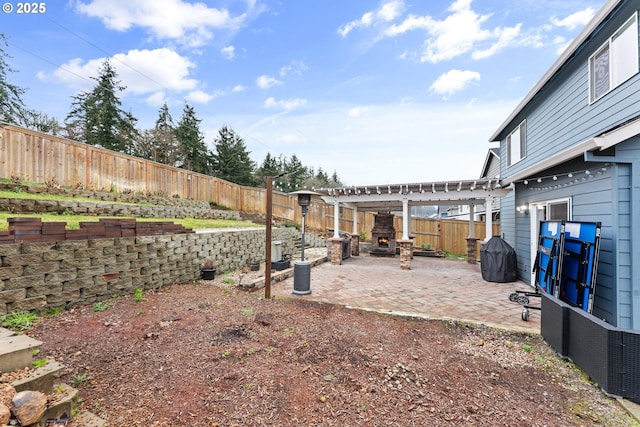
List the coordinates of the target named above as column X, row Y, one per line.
column 190, row 209
column 45, row 276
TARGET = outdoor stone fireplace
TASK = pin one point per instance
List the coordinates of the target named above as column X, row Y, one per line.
column 383, row 236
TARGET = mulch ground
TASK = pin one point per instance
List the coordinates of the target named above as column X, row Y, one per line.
column 208, row 354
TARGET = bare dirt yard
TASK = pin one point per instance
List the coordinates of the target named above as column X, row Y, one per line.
column 208, row 354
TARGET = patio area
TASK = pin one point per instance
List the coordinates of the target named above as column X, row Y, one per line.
column 433, row 288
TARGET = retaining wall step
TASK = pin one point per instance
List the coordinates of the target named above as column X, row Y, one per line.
column 16, row 352
column 87, row 419
column 62, row 405
column 6, row 333
column 40, row 378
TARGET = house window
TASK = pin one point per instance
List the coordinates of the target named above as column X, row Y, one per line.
column 555, row 210
column 558, row 210
column 615, row 62
column 516, row 144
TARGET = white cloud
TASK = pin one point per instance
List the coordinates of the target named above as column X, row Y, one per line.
column 460, row 32
column 228, row 52
column 141, row 71
column 189, row 23
column 238, row 89
column 575, row 20
column 287, row 105
column 295, row 67
column 156, row 99
column 357, row 112
column 144, row 70
column 454, row 81
column 266, row 82
column 293, row 139
column 386, row 13
column 506, row 37
column 200, row 97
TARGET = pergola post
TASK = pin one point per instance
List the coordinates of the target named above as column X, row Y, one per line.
column 472, row 221
column 472, row 249
column 355, row 220
column 488, row 221
column 355, row 236
column 336, row 220
column 406, row 218
column 336, row 242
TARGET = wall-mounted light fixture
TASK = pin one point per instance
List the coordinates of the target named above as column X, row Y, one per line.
column 523, row 209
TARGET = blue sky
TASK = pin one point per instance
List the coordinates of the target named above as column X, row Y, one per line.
column 379, row 91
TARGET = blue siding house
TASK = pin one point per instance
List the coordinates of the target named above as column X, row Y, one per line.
column 571, row 150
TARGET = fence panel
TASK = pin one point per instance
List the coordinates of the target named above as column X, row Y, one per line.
column 38, row 157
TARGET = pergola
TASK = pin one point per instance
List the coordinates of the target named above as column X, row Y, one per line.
column 400, row 197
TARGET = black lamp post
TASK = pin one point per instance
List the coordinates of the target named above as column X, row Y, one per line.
column 302, row 268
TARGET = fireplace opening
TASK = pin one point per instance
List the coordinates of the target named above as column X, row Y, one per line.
column 383, row 236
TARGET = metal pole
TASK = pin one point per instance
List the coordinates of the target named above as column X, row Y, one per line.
column 304, row 212
column 267, row 249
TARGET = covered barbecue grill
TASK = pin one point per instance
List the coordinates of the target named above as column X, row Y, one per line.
column 498, row 261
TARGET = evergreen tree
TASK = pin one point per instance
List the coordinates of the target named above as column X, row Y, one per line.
column 12, row 108
column 97, row 114
column 231, row 160
column 129, row 132
column 165, row 143
column 41, row 122
column 271, row 166
column 335, row 181
column 145, row 147
column 193, row 153
column 296, row 174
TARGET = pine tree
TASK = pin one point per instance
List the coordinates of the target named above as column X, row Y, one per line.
column 12, row 108
column 41, row 122
column 98, row 114
column 194, row 155
column 164, row 144
column 297, row 173
column 271, row 166
column 231, row 160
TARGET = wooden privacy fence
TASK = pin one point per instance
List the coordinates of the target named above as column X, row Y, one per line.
column 448, row 235
column 41, row 158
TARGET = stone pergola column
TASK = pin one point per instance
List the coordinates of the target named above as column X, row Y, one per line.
column 406, row 253
column 336, row 250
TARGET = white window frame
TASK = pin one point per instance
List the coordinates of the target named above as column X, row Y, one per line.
column 621, row 63
column 518, row 140
column 562, row 201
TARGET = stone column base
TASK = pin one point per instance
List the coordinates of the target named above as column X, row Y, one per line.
column 406, row 253
column 472, row 250
column 336, row 250
column 355, row 244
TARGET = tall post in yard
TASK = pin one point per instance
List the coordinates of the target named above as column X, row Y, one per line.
column 267, row 249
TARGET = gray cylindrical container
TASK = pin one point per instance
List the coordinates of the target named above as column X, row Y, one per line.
column 302, row 277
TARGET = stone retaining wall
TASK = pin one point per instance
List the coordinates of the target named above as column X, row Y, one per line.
column 44, row 276
column 191, row 210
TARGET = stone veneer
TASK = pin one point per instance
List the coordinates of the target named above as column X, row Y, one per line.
column 45, row 276
column 406, row 253
column 187, row 208
column 472, row 250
